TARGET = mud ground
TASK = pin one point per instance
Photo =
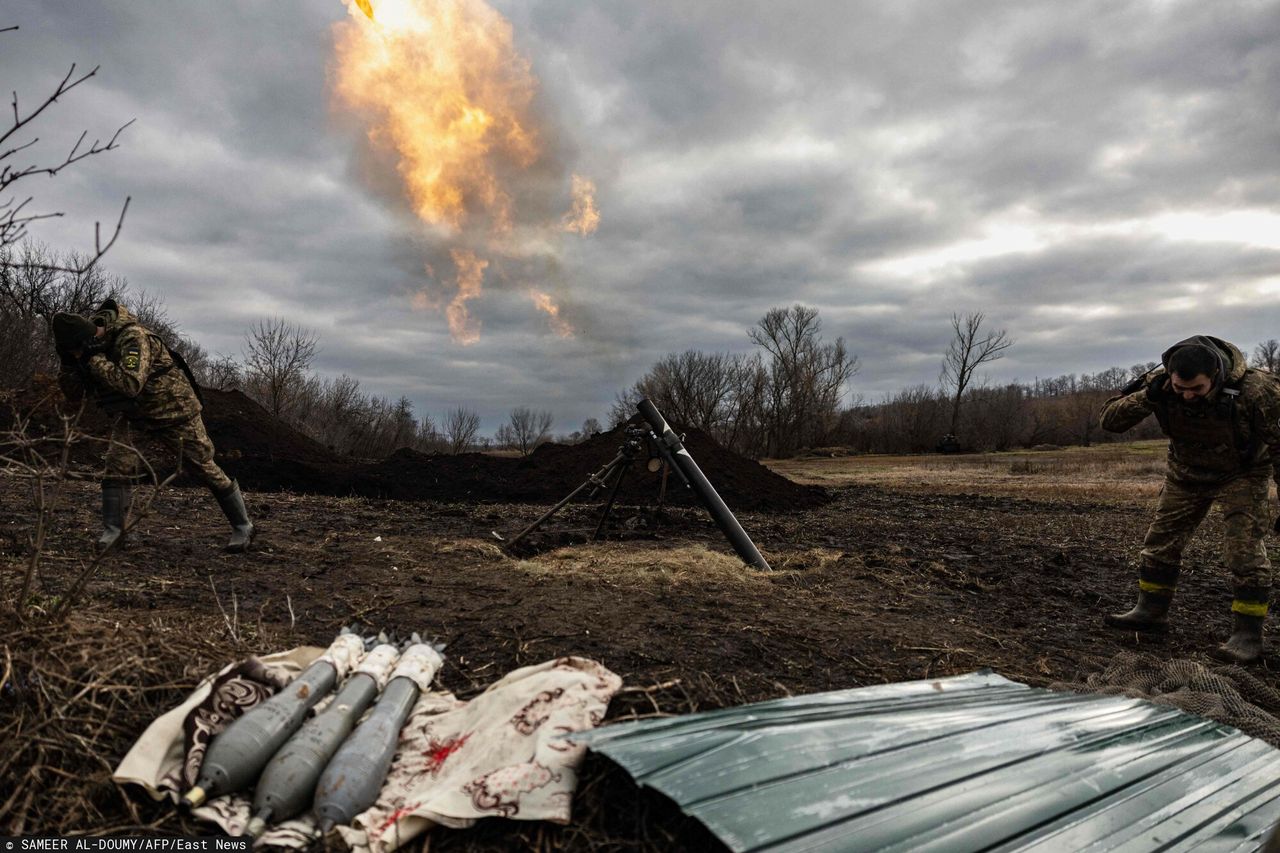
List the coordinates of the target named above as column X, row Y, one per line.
column 875, row 586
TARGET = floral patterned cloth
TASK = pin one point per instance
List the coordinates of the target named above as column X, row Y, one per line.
column 500, row 754
column 166, row 758
column 233, row 691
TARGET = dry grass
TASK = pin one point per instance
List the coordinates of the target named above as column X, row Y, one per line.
column 1110, row 472
column 632, row 564
column 75, row 696
column 479, row 550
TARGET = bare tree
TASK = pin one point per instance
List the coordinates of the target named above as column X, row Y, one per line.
column 528, row 428
column 746, row 430
column 1266, row 355
column 1142, row 369
column 221, row 373
column 277, row 357
column 591, row 427
column 428, row 437
column 32, row 290
column 460, row 428
column 505, row 437
column 16, row 140
column 403, row 426
column 971, row 347
column 692, row 388
column 806, row 377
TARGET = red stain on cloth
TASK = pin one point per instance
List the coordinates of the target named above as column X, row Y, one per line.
column 438, row 752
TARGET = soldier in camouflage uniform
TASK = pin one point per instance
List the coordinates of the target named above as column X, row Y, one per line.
column 130, row 372
column 1223, row 423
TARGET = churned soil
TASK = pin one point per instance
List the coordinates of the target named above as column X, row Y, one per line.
column 872, row 586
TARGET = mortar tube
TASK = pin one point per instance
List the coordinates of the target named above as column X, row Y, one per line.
column 720, row 513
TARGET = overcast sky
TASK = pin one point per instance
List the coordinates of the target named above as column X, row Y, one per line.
column 1100, row 178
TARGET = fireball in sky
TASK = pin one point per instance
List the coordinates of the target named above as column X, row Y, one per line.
column 444, row 90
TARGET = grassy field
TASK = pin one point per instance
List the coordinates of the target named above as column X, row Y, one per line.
column 1121, row 472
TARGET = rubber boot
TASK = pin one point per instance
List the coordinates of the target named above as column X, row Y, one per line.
column 1245, row 643
column 116, row 498
column 1149, row 614
column 242, row 529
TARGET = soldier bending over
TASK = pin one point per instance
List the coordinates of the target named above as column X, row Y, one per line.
column 129, row 372
column 1223, row 424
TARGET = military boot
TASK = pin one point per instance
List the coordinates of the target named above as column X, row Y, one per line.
column 1245, row 643
column 242, row 529
column 1249, row 610
column 1149, row 614
column 116, row 498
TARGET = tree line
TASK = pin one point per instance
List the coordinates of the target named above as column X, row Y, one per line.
column 790, row 393
column 274, row 368
column 787, row 397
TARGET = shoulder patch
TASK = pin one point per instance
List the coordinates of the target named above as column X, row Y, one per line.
column 132, row 357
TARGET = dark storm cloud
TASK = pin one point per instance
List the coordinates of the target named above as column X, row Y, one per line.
column 746, row 155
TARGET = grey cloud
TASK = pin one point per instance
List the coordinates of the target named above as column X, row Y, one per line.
column 746, row 155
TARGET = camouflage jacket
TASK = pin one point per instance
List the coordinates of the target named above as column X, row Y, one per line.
column 1228, row 436
column 133, row 374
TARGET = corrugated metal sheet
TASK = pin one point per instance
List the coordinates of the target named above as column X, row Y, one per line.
column 975, row 762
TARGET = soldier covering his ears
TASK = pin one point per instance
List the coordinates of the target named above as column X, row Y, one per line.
column 1223, row 423
column 128, row 371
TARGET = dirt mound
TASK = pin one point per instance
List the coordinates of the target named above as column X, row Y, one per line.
column 265, row 454
column 553, row 470
column 241, row 428
column 548, row 474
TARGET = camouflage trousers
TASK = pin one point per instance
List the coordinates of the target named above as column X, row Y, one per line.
column 187, row 440
column 1246, row 514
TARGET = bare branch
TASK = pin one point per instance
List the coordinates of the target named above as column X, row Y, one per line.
column 63, row 88
column 18, row 148
column 86, row 264
column 13, row 221
column 9, row 176
column 460, row 428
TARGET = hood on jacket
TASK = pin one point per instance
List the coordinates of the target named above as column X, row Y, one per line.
column 1231, row 362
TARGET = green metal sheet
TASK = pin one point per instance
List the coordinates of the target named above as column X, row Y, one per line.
column 974, row 762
